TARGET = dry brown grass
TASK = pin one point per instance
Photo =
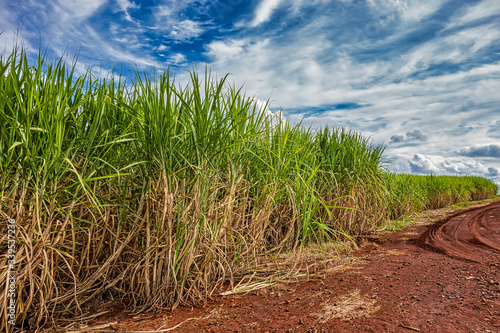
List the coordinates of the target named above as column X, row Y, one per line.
column 140, row 254
column 350, row 306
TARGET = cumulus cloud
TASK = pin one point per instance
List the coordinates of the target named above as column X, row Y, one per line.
column 263, row 107
column 226, row 50
column 397, row 138
column 422, row 164
column 481, row 150
column 417, row 135
column 493, row 172
column 185, row 30
column 440, row 165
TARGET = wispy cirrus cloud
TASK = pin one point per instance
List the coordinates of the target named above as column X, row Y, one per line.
column 75, row 11
column 475, row 13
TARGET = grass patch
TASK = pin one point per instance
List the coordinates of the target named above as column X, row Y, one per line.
column 398, row 224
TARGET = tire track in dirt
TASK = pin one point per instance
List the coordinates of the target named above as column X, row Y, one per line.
column 471, row 235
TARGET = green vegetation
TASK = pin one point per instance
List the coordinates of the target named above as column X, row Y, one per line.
column 398, row 224
column 409, row 193
column 462, row 205
column 161, row 193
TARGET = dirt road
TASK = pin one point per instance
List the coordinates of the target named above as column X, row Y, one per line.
column 431, row 277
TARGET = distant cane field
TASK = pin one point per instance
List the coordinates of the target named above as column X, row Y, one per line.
column 158, row 194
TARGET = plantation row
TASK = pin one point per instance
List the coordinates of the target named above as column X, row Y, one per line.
column 410, row 193
column 161, row 193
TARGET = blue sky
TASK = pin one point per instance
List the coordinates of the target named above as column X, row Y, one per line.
column 421, row 76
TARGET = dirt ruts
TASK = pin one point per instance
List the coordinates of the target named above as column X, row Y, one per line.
column 472, row 234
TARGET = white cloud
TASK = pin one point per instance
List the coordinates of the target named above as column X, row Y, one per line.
column 416, row 11
column 261, row 105
column 435, row 164
column 185, row 29
column 444, row 165
column 423, row 164
column 125, row 5
column 387, row 6
column 224, row 52
column 177, row 58
column 77, row 10
column 481, row 150
column 473, row 13
column 475, row 39
column 296, row 6
column 168, row 18
column 455, row 48
column 264, row 11
column 118, row 54
column 407, row 10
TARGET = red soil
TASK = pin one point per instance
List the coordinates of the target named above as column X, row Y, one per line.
column 469, row 235
column 431, row 277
